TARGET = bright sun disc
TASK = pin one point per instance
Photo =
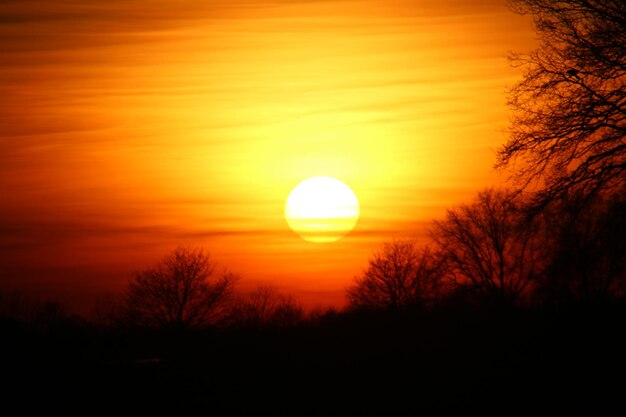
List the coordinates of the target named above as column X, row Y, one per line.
column 322, row 209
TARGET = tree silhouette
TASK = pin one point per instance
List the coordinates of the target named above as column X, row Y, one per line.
column 587, row 250
column 399, row 276
column 265, row 306
column 40, row 314
column 488, row 247
column 181, row 291
column 569, row 122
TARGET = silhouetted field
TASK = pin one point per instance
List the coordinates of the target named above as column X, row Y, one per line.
column 344, row 364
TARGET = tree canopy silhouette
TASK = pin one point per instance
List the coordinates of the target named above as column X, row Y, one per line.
column 180, row 291
column 265, row 306
column 569, row 122
column 488, row 247
column 399, row 276
column 586, row 248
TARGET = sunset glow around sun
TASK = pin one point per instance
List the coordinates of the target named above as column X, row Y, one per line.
column 128, row 128
column 322, row 209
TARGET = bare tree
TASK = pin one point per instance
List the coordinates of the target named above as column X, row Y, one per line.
column 569, row 124
column 399, row 276
column 489, row 248
column 181, row 291
column 265, row 306
column 586, row 249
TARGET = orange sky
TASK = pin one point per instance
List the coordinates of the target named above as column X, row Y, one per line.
column 130, row 127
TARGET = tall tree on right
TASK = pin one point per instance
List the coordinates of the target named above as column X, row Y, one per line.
column 569, row 111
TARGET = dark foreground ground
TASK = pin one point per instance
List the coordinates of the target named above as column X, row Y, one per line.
column 533, row 362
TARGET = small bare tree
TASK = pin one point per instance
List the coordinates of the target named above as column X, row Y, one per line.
column 181, row 291
column 265, row 307
column 489, row 247
column 399, row 276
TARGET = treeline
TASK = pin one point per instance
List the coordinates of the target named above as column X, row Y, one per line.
column 181, row 292
column 500, row 252
column 261, row 353
column 495, row 253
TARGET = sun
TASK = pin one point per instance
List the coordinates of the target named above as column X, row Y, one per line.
column 322, row 209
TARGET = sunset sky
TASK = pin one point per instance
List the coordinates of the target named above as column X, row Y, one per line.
column 130, row 127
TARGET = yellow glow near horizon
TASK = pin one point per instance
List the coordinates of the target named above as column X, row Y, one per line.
column 322, row 209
